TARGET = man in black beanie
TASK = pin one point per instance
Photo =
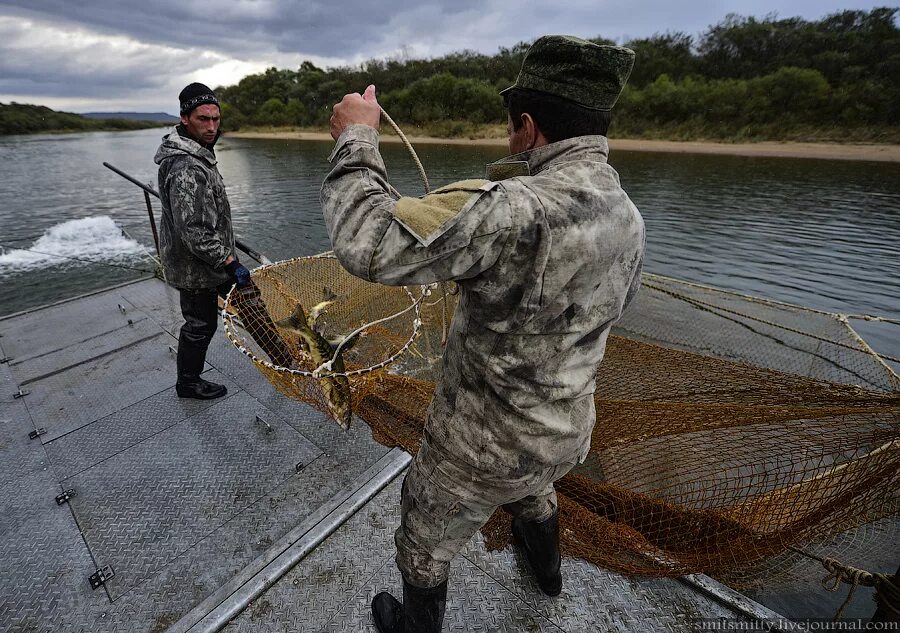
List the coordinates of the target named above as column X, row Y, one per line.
column 196, row 240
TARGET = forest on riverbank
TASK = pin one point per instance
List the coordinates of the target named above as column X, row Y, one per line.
column 20, row 118
column 744, row 79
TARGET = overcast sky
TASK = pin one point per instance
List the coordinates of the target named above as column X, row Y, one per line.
column 136, row 55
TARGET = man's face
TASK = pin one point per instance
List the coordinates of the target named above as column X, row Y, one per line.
column 202, row 122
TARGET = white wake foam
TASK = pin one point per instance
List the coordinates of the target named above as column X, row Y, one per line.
column 96, row 239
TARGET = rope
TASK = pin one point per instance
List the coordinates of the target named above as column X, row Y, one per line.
column 869, row 317
column 887, row 592
column 409, row 148
column 712, row 308
column 445, row 326
column 146, row 250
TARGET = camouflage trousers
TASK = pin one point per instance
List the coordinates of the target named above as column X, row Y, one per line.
column 444, row 503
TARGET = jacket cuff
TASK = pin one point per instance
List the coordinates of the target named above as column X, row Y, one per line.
column 354, row 133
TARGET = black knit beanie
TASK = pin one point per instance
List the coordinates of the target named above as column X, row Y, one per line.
column 195, row 95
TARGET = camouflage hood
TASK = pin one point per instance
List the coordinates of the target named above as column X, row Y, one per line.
column 174, row 144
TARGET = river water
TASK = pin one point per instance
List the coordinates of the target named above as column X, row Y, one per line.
column 824, row 234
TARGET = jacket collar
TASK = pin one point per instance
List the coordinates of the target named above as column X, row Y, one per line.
column 532, row 162
column 176, row 142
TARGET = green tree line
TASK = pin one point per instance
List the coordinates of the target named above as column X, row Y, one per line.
column 19, row 118
column 746, row 77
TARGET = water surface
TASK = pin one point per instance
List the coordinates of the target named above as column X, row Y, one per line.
column 818, row 233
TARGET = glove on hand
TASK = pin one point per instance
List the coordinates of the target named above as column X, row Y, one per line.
column 239, row 273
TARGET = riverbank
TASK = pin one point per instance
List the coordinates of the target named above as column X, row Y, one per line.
column 831, row 151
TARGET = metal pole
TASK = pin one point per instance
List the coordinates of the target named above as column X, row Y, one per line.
column 253, row 253
column 152, row 224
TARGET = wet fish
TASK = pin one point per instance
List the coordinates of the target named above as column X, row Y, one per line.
column 249, row 307
column 321, row 350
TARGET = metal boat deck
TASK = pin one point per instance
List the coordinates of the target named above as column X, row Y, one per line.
column 250, row 513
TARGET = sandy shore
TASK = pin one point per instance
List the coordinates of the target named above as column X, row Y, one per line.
column 833, row 151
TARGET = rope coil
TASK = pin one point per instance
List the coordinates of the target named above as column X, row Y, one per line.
column 887, row 593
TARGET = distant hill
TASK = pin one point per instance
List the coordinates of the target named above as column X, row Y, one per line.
column 160, row 117
column 22, row 118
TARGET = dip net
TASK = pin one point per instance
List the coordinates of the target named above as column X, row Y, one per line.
column 730, row 430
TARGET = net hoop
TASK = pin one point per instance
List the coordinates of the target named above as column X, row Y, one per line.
column 230, row 321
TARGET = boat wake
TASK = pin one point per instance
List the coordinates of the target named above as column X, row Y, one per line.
column 81, row 242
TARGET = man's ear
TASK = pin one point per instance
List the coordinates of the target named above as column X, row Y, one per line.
column 184, row 119
column 531, row 131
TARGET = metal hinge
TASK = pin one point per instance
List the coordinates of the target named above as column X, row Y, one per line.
column 122, row 308
column 268, row 426
column 65, row 496
column 37, row 433
column 99, row 577
column 5, row 359
column 20, row 394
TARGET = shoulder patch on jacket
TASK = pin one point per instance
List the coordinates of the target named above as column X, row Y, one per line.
column 429, row 217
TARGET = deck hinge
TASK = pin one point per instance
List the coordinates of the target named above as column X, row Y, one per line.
column 5, row 359
column 37, row 433
column 99, row 577
column 122, row 308
column 65, row 496
column 20, row 394
column 268, row 426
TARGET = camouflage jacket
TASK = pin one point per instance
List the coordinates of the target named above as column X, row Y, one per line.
column 195, row 236
column 545, row 264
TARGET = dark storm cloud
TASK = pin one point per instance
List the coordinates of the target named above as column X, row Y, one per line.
column 142, row 50
column 245, row 27
column 46, row 60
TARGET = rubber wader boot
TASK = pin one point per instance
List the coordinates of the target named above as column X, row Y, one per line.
column 422, row 610
column 539, row 541
column 190, row 385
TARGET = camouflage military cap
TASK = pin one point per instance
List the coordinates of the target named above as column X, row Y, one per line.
column 589, row 74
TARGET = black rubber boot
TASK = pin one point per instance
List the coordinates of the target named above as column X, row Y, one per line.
column 539, row 542
column 422, row 610
column 201, row 390
column 190, row 360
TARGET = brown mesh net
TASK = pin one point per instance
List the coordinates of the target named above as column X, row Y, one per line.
column 728, row 428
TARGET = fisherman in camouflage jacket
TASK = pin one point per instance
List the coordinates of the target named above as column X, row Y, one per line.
column 547, row 253
column 196, row 241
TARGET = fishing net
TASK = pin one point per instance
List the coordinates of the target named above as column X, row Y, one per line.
column 728, row 428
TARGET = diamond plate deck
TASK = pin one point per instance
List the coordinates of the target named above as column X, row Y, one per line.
column 180, row 496
column 19, row 455
column 31, row 369
column 80, row 395
column 45, row 561
column 91, row 444
column 154, row 501
column 56, row 327
column 332, row 589
column 157, row 300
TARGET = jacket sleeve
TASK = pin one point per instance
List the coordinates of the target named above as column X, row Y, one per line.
column 457, row 235
column 195, row 215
